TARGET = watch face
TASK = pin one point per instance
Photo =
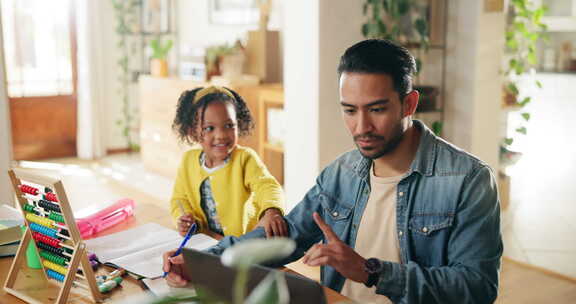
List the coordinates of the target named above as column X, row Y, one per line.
column 373, row 265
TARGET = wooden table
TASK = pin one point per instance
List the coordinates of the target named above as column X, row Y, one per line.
column 32, row 280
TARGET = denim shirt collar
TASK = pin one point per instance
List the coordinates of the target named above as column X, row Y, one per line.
column 424, row 160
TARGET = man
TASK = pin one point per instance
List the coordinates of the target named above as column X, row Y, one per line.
column 406, row 217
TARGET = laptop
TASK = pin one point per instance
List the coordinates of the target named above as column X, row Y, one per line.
column 206, row 270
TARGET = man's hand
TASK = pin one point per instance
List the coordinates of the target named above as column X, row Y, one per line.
column 173, row 266
column 336, row 253
column 184, row 223
column 273, row 223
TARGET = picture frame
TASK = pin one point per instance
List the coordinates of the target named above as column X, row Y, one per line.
column 233, row 12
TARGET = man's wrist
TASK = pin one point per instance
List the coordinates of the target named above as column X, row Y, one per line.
column 373, row 267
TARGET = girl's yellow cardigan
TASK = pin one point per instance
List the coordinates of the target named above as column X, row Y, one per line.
column 243, row 189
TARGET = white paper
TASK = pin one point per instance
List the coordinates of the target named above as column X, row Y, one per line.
column 10, row 213
column 158, row 286
column 139, row 250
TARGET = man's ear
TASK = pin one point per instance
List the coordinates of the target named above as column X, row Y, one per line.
column 410, row 103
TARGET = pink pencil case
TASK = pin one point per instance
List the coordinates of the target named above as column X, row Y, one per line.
column 100, row 219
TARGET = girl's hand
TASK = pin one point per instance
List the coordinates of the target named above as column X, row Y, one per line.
column 184, row 223
column 173, row 266
column 273, row 223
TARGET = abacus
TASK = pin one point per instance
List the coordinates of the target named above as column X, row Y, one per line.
column 50, row 225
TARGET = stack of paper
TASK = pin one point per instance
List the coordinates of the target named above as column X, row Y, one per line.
column 139, row 250
column 10, row 230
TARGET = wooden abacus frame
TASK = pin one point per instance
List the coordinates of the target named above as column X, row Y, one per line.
column 79, row 256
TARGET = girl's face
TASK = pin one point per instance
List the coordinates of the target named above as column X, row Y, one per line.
column 218, row 132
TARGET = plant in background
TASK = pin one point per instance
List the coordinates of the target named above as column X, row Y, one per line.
column 159, row 50
column 126, row 14
column 273, row 289
column 214, row 54
column 158, row 56
column 402, row 21
column 524, row 30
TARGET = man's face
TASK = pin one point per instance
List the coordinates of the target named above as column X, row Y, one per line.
column 372, row 111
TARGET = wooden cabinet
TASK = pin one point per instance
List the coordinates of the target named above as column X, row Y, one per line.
column 160, row 150
column 270, row 149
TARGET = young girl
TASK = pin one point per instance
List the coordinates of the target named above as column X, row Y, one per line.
column 215, row 182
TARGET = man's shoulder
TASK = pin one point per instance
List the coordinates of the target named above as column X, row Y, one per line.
column 451, row 159
column 349, row 161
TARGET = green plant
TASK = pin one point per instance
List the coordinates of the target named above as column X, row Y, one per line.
column 126, row 15
column 524, row 29
column 214, row 52
column 402, row 21
column 159, row 50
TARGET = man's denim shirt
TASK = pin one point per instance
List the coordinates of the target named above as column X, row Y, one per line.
column 448, row 224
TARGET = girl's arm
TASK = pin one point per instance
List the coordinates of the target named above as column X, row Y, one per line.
column 181, row 208
column 179, row 203
column 267, row 191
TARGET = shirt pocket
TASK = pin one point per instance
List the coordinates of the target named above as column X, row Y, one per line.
column 429, row 224
column 429, row 236
column 334, row 210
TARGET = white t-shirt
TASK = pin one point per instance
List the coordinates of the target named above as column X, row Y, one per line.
column 377, row 237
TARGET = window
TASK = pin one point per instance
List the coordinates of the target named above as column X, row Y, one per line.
column 37, row 47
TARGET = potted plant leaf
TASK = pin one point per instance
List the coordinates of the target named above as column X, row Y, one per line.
column 525, row 28
column 158, row 63
column 406, row 23
column 215, row 55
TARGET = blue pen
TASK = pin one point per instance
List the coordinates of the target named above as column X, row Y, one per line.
column 190, row 232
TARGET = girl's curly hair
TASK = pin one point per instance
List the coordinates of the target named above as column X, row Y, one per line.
column 189, row 114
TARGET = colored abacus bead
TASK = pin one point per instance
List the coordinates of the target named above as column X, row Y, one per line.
column 55, row 275
column 64, row 232
column 51, row 197
column 56, row 217
column 29, row 189
column 54, row 266
column 29, row 208
column 39, row 237
column 44, row 230
column 49, row 206
column 39, row 220
column 56, row 251
column 53, row 258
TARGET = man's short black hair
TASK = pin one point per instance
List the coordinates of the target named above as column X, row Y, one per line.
column 379, row 56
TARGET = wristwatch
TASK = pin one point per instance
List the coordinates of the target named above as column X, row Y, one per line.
column 373, row 267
